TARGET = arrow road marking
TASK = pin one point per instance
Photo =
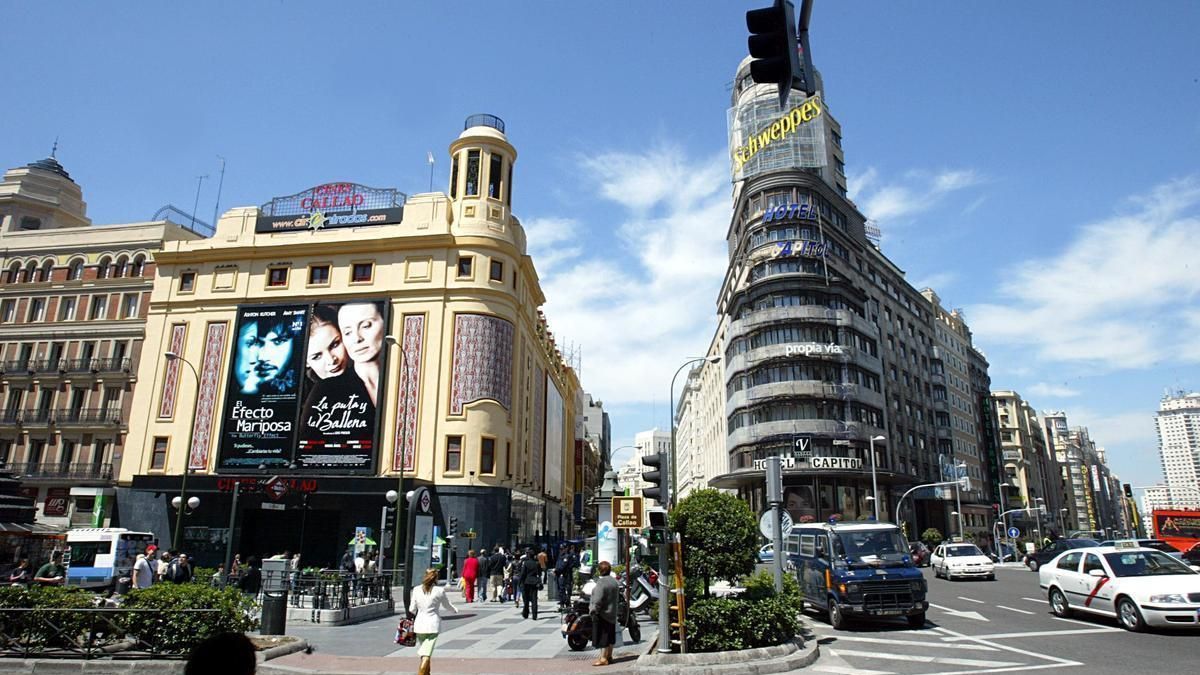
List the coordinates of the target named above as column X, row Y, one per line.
column 1039, row 633
column 1014, row 609
column 1024, row 652
column 972, row 600
column 922, row 658
column 955, row 612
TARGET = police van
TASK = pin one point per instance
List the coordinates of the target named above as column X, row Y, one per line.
column 857, row 570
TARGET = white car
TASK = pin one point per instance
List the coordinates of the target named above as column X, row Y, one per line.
column 1139, row 586
column 958, row 561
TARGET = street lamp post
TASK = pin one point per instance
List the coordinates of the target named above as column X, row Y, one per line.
column 187, row 458
column 958, row 495
column 874, row 483
column 674, row 495
column 400, row 499
column 1062, row 522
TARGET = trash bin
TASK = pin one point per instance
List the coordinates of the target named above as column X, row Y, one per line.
column 274, row 613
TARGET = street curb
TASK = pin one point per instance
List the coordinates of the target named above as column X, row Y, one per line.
column 758, row 661
column 298, row 645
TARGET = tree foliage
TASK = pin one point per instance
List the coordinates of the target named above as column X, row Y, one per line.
column 932, row 536
column 719, row 534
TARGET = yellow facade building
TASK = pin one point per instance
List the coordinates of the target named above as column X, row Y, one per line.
column 332, row 337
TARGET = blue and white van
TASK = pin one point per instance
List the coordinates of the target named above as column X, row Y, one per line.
column 857, row 570
column 97, row 556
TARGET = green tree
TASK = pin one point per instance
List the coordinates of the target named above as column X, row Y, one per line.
column 932, row 536
column 719, row 534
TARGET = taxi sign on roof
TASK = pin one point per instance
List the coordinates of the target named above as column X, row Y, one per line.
column 1127, row 544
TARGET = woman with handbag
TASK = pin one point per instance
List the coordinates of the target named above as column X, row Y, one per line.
column 428, row 601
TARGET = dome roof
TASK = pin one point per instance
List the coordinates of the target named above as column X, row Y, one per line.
column 50, row 164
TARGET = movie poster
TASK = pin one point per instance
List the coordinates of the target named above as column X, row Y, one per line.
column 264, row 387
column 343, row 382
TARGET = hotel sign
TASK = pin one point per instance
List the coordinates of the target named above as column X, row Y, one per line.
column 332, row 205
column 833, row 463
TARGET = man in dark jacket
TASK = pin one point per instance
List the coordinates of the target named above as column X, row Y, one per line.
column 496, row 565
column 564, row 572
column 530, row 576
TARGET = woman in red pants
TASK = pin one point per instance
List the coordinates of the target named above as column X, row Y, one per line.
column 470, row 572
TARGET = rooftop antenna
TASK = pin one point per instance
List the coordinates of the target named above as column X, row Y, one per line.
column 54, row 149
column 429, row 156
column 196, row 204
column 220, row 184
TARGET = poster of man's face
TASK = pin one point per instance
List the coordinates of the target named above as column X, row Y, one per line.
column 265, row 349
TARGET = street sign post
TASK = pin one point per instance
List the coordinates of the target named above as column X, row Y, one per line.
column 1013, row 533
column 627, row 513
column 766, row 524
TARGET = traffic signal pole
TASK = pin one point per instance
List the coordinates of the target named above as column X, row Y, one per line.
column 775, row 499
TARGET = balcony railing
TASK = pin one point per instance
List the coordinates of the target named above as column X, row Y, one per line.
column 72, row 417
column 80, row 471
column 41, row 366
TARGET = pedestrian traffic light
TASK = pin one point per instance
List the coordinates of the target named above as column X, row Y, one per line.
column 773, row 47
column 657, row 477
column 452, row 527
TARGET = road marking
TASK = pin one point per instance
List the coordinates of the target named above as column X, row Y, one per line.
column 956, row 612
column 922, row 658
column 972, row 600
column 1007, row 648
column 1085, row 623
column 1014, row 609
column 1037, row 600
column 1040, row 633
column 915, row 643
column 845, row 670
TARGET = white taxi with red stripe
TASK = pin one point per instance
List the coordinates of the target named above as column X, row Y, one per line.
column 1139, row 586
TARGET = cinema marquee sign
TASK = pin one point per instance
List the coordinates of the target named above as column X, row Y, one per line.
column 332, row 205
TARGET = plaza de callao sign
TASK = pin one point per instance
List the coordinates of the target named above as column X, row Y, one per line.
column 332, row 205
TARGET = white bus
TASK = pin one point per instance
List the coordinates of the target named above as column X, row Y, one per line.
column 97, row 556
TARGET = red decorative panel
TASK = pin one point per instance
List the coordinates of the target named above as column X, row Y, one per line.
column 166, row 406
column 410, row 392
column 483, row 352
column 206, row 402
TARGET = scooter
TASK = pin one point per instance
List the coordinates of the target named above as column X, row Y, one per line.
column 577, row 621
column 644, row 590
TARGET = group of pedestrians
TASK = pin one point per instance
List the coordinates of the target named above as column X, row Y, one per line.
column 53, row 573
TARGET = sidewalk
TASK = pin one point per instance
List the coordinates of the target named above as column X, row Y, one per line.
column 483, row 638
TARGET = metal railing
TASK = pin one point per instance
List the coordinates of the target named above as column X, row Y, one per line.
column 82, row 470
column 42, row 366
column 71, row 417
column 336, row 591
column 110, row 633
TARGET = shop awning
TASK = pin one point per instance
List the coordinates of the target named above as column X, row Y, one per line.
column 34, row 529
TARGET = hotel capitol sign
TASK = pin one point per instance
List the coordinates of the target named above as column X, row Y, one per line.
column 804, row 459
column 332, row 205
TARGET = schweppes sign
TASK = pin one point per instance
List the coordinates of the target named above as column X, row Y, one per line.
column 778, row 130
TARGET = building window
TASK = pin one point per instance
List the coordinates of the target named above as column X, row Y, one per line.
column 66, row 309
column 98, row 303
column 454, row 454
column 102, row 268
column 497, row 271
column 37, row 450
column 464, row 266
column 362, row 273
column 158, row 457
column 29, row 223
column 495, row 167
column 318, row 275
column 508, row 458
column 5, row 452
column 508, row 184
column 277, row 277
column 454, row 177
column 487, row 456
column 187, row 282
column 37, row 309
column 8, row 309
column 139, row 266
column 472, row 174
column 129, row 306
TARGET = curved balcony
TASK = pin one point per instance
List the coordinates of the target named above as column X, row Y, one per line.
column 747, row 359
column 753, row 433
column 804, row 389
column 816, row 313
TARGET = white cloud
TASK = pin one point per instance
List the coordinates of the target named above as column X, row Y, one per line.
column 642, row 304
column 938, row 281
column 900, row 199
column 1121, row 295
column 1047, row 390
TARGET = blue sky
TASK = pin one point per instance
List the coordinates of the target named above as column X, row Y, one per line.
column 1034, row 162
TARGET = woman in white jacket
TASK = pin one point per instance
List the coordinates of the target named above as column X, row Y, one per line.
column 428, row 601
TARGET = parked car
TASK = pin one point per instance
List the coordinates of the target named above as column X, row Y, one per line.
column 1035, row 560
column 961, row 560
column 766, row 553
column 919, row 552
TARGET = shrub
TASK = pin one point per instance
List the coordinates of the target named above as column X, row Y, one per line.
column 932, row 537
column 728, row 624
column 180, row 631
column 761, row 586
column 203, row 575
column 719, row 533
column 34, row 628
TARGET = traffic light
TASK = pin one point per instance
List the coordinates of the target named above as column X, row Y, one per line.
column 773, row 47
column 659, row 488
column 452, row 527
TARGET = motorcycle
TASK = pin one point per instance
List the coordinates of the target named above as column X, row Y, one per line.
column 577, row 621
column 645, row 590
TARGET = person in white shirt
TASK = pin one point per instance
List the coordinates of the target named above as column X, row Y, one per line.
column 143, row 576
column 428, row 601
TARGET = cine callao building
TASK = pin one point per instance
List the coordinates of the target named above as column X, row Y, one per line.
column 332, row 339
column 827, row 352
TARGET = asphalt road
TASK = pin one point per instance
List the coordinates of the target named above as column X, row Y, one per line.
column 998, row 626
